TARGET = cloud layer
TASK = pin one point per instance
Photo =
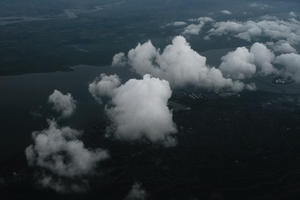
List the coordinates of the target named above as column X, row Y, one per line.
column 272, row 28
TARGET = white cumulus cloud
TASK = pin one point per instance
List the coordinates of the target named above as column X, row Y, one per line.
column 238, row 64
column 139, row 111
column 281, row 46
column 291, row 64
column 58, row 150
column 62, row 103
column 104, row 86
column 263, row 58
column 268, row 27
column 180, row 65
column 119, row 60
column 243, row 64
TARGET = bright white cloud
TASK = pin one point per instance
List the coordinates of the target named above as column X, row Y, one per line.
column 243, row 64
column 58, row 150
column 104, row 86
column 180, row 65
column 263, row 58
column 291, row 64
column 238, row 64
column 62, row 103
column 269, row 27
column 139, row 111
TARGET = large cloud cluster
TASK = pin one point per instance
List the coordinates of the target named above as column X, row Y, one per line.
column 58, row 150
column 139, row 110
column 62, row 103
column 242, row 63
column 180, row 65
column 272, row 28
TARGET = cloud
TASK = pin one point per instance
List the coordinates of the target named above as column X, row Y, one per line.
column 291, row 63
column 58, row 150
column 177, row 23
column 238, row 64
column 195, row 29
column 226, row 12
column 136, row 193
column 281, row 46
column 180, row 65
column 64, row 104
column 269, row 27
column 104, row 86
column 292, row 14
column 243, row 64
column 259, row 5
column 119, row 60
column 139, row 110
column 63, row 185
column 263, row 58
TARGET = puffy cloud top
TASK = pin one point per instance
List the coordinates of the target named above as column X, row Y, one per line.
column 242, row 63
column 180, row 65
column 272, row 28
column 139, row 110
column 291, row 63
column 64, row 104
column 263, row 58
column 119, row 59
column 104, row 86
column 281, row 46
column 59, row 151
column 238, row 64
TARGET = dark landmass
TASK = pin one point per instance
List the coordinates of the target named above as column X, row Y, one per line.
column 236, row 147
column 62, row 33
